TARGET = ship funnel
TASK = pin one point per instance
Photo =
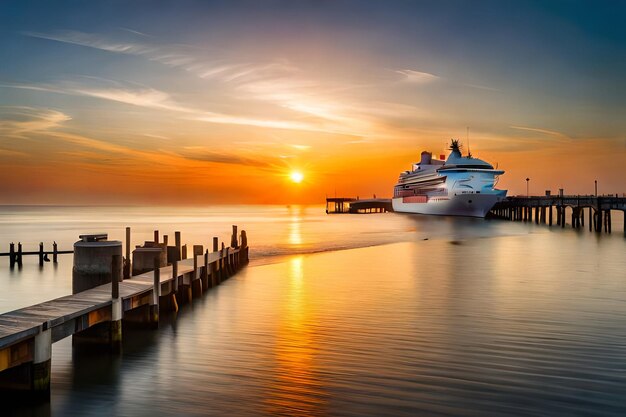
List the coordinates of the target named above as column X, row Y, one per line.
column 426, row 158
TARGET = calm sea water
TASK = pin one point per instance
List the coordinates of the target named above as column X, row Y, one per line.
column 416, row 316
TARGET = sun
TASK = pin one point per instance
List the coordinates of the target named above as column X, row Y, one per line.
column 296, row 177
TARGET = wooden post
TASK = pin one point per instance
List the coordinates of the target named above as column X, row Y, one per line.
column 563, row 216
column 205, row 272
column 233, row 237
column 156, row 236
column 582, row 217
column 116, row 303
column 550, row 215
column 244, row 247
column 54, row 252
column 19, row 254
column 184, row 251
column 599, row 223
column 127, row 264
column 12, row 255
column 175, row 276
column 40, row 253
column 196, row 279
column 216, row 266
column 591, row 219
column 177, row 243
column 537, row 215
column 156, row 292
column 165, row 239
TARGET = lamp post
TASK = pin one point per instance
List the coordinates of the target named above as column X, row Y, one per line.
column 527, row 194
column 596, row 181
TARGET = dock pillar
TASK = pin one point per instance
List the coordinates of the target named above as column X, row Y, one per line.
column 174, row 286
column 244, row 246
column 582, row 217
column 12, row 255
column 196, row 282
column 550, row 215
column 216, row 266
column 233, row 237
column 563, row 210
column 116, row 304
column 599, row 221
column 537, row 215
column 127, row 264
column 177, row 243
column 205, row 272
column 42, row 359
column 184, row 251
column 19, row 255
column 55, row 253
column 156, row 236
column 156, row 292
column 40, row 253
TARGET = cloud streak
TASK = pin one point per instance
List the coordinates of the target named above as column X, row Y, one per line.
column 417, row 77
column 19, row 121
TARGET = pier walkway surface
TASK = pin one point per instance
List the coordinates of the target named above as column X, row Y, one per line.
column 94, row 315
column 599, row 209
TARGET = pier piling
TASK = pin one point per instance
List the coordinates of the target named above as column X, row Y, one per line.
column 55, row 252
column 42, row 361
column 12, row 257
column 116, row 303
column 156, row 292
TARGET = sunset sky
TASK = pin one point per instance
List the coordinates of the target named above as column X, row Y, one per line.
column 193, row 102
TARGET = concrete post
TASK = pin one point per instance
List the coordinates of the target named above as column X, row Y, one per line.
column 42, row 358
column 116, row 304
column 92, row 263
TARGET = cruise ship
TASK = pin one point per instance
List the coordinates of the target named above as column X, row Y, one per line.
column 457, row 186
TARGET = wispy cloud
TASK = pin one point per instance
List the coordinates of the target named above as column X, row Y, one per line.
column 19, row 121
column 143, row 98
column 417, row 77
column 552, row 133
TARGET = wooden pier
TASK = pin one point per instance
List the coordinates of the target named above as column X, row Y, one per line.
column 95, row 315
column 357, row 206
column 15, row 256
column 548, row 209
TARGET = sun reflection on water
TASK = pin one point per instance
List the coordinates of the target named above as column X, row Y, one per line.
column 296, row 387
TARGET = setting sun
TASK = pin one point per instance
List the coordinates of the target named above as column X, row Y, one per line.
column 296, row 177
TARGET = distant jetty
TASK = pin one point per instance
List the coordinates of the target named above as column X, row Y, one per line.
column 546, row 207
column 339, row 205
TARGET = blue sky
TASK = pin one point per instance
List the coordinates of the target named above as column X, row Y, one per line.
column 326, row 87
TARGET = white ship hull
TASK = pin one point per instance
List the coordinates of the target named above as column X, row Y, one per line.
column 470, row 205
